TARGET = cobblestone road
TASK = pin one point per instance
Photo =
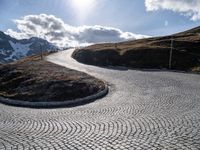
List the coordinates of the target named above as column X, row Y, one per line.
column 144, row 110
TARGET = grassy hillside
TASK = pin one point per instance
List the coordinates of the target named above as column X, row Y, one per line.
column 36, row 80
column 147, row 53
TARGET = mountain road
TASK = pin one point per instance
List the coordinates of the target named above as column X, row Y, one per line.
column 143, row 110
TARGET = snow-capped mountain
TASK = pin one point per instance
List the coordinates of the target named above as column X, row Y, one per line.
column 12, row 49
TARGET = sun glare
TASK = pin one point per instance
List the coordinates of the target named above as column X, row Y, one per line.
column 82, row 4
column 83, row 7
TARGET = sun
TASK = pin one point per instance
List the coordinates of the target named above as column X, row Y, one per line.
column 83, row 5
column 83, row 8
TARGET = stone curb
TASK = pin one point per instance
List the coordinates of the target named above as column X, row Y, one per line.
column 54, row 104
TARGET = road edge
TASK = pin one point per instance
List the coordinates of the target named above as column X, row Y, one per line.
column 56, row 104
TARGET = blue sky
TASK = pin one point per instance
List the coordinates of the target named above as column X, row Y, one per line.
column 126, row 15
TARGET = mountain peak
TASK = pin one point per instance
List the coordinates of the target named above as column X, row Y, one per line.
column 12, row 49
column 34, row 39
column 3, row 35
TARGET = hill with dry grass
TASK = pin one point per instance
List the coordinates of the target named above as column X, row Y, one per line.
column 147, row 53
column 35, row 80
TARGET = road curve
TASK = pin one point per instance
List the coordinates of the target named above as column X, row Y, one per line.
column 143, row 110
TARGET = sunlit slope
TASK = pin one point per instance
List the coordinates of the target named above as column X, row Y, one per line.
column 147, row 53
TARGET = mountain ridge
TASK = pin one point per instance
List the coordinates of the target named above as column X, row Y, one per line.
column 12, row 49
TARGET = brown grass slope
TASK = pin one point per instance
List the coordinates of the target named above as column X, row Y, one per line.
column 35, row 80
column 147, row 53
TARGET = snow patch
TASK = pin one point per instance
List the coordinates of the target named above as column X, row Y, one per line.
column 3, row 51
column 20, row 50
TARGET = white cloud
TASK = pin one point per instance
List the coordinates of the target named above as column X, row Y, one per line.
column 56, row 31
column 189, row 8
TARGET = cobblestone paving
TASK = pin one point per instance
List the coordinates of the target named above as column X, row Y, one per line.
column 143, row 110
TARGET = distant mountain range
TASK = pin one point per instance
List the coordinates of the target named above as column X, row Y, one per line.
column 12, row 49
